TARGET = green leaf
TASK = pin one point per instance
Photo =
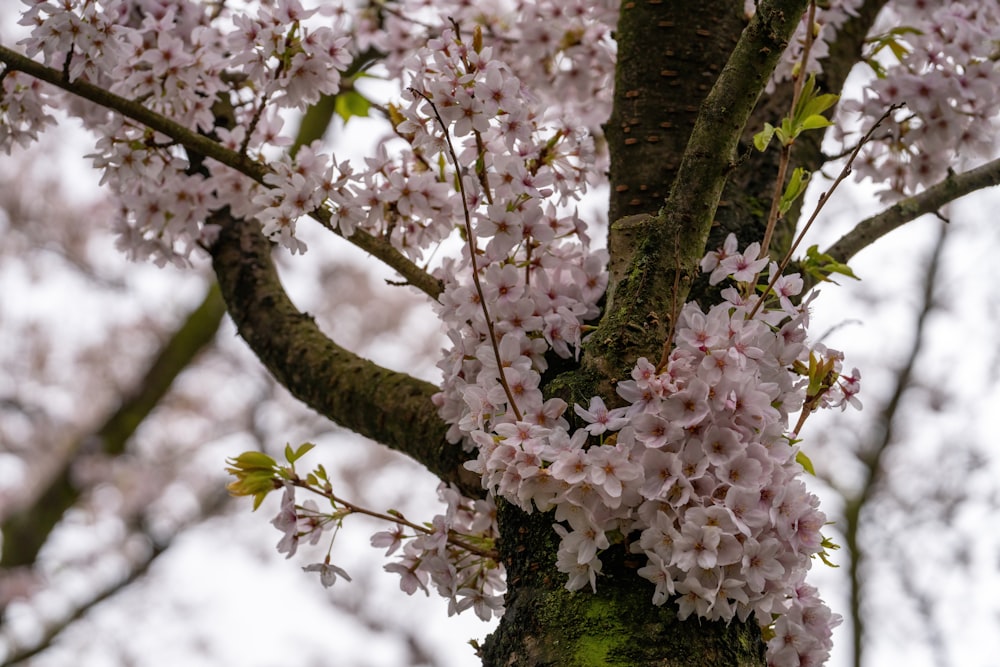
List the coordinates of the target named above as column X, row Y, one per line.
column 818, row 104
column 880, row 72
column 805, row 462
column 258, row 484
column 816, row 122
column 828, row 545
column 253, row 460
column 807, row 114
column 763, row 138
column 351, row 103
column 258, row 499
column 796, row 186
column 807, row 93
column 786, row 133
column 821, row 266
column 303, row 449
column 890, row 40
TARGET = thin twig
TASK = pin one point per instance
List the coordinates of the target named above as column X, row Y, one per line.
column 396, row 518
column 472, row 251
column 950, row 188
column 823, row 199
column 786, row 150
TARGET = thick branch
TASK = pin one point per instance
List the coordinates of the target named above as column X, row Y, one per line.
column 909, row 209
column 711, row 150
column 25, row 530
column 390, row 407
column 663, row 251
column 204, row 146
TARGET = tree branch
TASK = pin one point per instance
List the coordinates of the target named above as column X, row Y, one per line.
column 199, row 144
column 384, row 405
column 642, row 297
column 711, row 150
column 25, row 530
column 911, row 208
column 740, row 212
column 390, row 407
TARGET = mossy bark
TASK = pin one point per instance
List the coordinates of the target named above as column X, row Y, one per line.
column 547, row 626
column 390, row 407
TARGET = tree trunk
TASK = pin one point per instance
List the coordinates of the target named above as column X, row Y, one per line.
column 670, row 55
column 546, row 625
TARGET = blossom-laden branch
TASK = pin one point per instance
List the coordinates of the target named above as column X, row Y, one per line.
column 343, row 507
column 698, row 461
column 455, row 551
column 906, row 210
column 473, row 250
column 205, row 147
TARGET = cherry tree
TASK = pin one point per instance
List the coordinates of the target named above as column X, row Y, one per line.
column 619, row 426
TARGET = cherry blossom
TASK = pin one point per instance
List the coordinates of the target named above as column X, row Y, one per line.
column 696, row 459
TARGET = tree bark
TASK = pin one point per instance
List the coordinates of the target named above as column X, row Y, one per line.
column 384, row 405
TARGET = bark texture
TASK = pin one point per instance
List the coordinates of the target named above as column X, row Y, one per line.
column 389, row 407
column 547, row 626
column 669, row 56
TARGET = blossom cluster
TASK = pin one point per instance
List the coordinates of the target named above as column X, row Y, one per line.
column 448, row 553
column 698, row 465
column 947, row 78
column 173, row 57
column 537, row 280
column 519, row 170
column 441, row 557
column 23, row 102
column 939, row 60
column 562, row 50
column 198, row 64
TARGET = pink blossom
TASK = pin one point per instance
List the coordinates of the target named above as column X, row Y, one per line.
column 599, row 419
